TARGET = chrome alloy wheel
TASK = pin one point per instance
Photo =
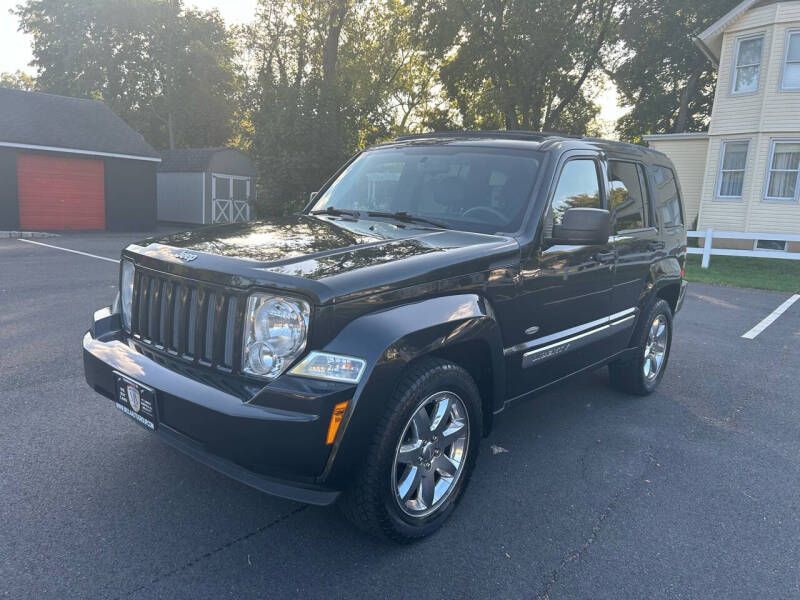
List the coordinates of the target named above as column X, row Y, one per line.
column 655, row 349
column 431, row 454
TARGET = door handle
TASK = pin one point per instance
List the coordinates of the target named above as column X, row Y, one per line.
column 655, row 246
column 605, row 257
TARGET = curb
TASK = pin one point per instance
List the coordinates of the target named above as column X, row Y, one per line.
column 26, row 234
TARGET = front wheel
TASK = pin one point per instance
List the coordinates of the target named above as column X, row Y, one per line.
column 652, row 340
column 420, row 460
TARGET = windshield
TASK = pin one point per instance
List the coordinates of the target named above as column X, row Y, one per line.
column 474, row 189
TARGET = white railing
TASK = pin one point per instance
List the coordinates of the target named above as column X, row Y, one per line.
column 709, row 234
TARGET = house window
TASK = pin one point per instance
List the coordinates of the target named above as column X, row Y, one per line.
column 731, row 169
column 747, row 64
column 783, row 169
column 791, row 64
column 777, row 245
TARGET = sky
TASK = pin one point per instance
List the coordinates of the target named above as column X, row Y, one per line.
column 15, row 47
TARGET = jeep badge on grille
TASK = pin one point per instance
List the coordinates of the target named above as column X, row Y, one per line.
column 186, row 256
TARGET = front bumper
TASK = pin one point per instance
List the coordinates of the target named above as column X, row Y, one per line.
column 269, row 437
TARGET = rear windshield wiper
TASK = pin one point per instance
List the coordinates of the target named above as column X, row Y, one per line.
column 407, row 217
column 332, row 210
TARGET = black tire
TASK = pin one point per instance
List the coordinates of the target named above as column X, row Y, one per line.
column 370, row 501
column 629, row 376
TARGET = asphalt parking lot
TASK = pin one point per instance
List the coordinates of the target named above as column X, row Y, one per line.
column 693, row 492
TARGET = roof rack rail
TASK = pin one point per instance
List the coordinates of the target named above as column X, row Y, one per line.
column 511, row 134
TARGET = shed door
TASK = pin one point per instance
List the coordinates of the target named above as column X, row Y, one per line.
column 60, row 193
column 230, row 198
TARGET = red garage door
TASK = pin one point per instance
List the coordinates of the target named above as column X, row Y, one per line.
column 60, row 193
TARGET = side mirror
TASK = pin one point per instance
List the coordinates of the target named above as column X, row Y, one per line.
column 312, row 195
column 583, row 226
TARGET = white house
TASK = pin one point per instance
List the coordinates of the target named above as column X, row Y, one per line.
column 742, row 174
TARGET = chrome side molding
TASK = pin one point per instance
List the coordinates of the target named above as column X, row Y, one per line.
column 571, row 331
column 544, row 353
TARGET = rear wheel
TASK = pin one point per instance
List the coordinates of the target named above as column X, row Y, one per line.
column 653, row 340
column 420, row 460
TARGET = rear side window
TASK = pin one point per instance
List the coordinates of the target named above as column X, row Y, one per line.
column 665, row 191
column 626, row 197
column 578, row 187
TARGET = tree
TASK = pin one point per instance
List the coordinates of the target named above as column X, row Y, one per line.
column 520, row 64
column 328, row 78
column 661, row 75
column 17, row 80
column 169, row 72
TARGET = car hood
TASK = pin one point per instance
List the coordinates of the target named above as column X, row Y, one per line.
column 327, row 257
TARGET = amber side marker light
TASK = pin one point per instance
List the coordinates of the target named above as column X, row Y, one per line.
column 336, row 420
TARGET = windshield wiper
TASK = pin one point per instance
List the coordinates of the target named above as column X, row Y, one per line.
column 407, row 217
column 332, row 210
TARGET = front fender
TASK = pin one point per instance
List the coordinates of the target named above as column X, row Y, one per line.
column 389, row 340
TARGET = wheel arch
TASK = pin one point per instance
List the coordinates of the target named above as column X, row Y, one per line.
column 474, row 356
column 670, row 292
column 461, row 328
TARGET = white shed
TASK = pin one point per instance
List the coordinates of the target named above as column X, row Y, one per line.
column 205, row 186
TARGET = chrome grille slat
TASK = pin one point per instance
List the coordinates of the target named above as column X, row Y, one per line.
column 208, row 340
column 162, row 312
column 191, row 337
column 183, row 317
column 230, row 323
column 154, row 311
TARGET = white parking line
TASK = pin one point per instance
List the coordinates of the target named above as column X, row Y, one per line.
column 770, row 318
column 114, row 260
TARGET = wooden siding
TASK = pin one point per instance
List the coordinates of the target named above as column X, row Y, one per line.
column 741, row 113
column 689, row 157
column 751, row 213
column 760, row 118
column 769, row 109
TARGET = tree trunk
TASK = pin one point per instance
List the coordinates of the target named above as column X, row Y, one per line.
column 170, row 130
column 330, row 52
column 511, row 116
column 682, row 120
column 329, row 96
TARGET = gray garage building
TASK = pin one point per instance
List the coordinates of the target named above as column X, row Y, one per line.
column 205, row 186
column 68, row 163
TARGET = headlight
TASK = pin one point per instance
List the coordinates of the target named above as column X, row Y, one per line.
column 334, row 367
column 275, row 333
column 126, row 291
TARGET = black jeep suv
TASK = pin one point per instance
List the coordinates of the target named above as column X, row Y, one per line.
column 358, row 350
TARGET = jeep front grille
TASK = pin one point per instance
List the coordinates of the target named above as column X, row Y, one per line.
column 193, row 320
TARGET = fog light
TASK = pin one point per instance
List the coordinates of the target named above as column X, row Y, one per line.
column 261, row 359
column 333, row 367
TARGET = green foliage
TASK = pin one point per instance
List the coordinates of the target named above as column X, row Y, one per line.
column 762, row 273
column 18, row 81
column 661, row 75
column 169, row 72
column 328, row 78
column 520, row 64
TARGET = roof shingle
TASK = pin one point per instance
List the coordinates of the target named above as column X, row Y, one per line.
column 187, row 160
column 37, row 119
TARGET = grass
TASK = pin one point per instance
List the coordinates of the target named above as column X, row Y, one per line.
column 760, row 273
